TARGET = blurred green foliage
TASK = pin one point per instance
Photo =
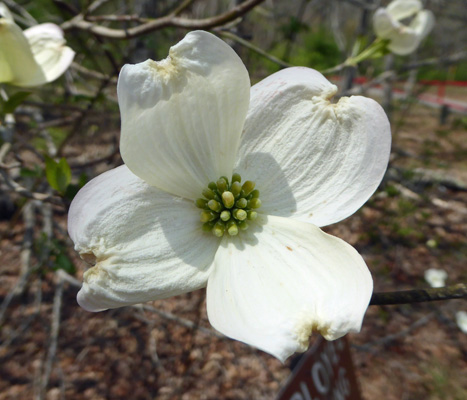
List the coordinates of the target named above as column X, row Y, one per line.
column 10, row 105
column 58, row 174
column 52, row 254
column 316, row 48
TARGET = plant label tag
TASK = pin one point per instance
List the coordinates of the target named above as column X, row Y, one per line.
column 324, row 372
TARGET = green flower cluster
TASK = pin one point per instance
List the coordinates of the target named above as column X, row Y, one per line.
column 226, row 207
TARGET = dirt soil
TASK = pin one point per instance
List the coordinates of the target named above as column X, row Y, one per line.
column 167, row 350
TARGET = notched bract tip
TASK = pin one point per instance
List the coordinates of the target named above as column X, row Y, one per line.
column 166, row 68
column 89, row 258
column 305, row 328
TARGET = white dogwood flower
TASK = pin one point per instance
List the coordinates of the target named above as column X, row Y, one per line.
column 178, row 217
column 436, row 277
column 404, row 39
column 461, row 320
column 32, row 57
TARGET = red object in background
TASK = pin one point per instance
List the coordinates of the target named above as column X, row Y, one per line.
column 325, row 372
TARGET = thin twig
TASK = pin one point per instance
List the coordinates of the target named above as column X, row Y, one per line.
column 6, row 147
column 26, row 322
column 16, row 187
column 95, row 5
column 393, row 74
column 115, row 18
column 65, row 276
column 27, row 18
column 256, row 49
column 25, row 257
column 442, row 60
column 54, row 331
column 183, row 6
column 164, row 314
column 81, row 119
column 363, row 4
column 182, row 321
column 152, row 343
column 92, row 74
column 395, row 336
column 104, row 159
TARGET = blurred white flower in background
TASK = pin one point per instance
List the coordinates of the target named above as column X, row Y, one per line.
column 189, row 124
column 436, row 277
column 461, row 319
column 32, row 57
column 388, row 23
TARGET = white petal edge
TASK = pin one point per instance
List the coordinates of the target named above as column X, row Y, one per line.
column 312, row 160
column 407, row 39
column 400, row 9
column 182, row 117
column 146, row 244
column 49, row 50
column 404, row 41
column 461, row 320
column 5, row 12
column 274, row 285
column 384, row 24
column 423, row 23
column 436, row 277
column 17, row 64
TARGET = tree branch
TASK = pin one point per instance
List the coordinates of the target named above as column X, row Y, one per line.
column 256, row 49
column 79, row 22
column 16, row 187
column 457, row 291
column 438, row 61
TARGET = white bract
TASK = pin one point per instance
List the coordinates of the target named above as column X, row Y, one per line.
column 436, row 277
column 461, row 319
column 190, row 119
column 32, row 57
column 404, row 39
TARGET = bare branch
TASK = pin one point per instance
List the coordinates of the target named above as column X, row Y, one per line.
column 6, row 147
column 25, row 257
column 54, row 331
column 363, row 4
column 457, row 291
column 117, row 18
column 16, row 187
column 183, row 6
column 93, row 74
column 392, row 74
column 26, row 18
column 182, row 321
column 79, row 22
column 386, row 340
column 447, row 60
column 95, row 5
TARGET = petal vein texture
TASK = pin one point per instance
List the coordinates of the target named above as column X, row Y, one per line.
column 274, row 287
column 146, row 244
column 313, row 160
column 182, row 117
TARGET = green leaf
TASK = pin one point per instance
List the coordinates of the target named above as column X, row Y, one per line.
column 14, row 101
column 83, row 179
column 73, row 189
column 64, row 174
column 63, row 262
column 58, row 174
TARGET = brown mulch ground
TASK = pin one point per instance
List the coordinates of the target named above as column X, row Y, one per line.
column 403, row 352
